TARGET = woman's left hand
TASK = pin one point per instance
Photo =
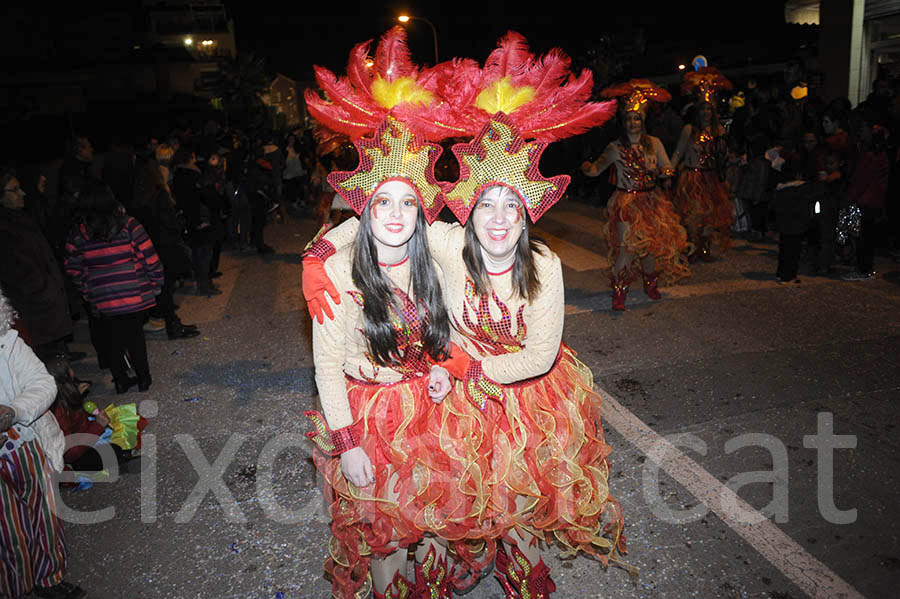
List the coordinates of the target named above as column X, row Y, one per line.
column 438, row 383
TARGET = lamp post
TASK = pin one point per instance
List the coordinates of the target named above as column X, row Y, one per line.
column 407, row 18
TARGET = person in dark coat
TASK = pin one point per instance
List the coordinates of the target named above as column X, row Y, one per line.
column 154, row 208
column 187, row 187
column 29, row 273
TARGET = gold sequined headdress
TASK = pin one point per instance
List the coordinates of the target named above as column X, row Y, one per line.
column 390, row 109
column 705, row 83
column 637, row 94
column 393, row 153
column 515, row 107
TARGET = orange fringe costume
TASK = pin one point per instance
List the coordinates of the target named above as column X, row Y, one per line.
column 701, row 195
column 652, row 227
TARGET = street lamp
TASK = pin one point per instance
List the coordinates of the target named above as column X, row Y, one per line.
column 407, row 18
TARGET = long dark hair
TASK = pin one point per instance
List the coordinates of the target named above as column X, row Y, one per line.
column 103, row 215
column 697, row 128
column 379, row 298
column 524, row 273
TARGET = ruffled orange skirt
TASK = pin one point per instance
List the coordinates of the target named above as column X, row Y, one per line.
column 702, row 201
column 418, row 483
column 548, row 468
column 652, row 229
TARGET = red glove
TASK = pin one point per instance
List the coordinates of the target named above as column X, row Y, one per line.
column 458, row 362
column 315, row 283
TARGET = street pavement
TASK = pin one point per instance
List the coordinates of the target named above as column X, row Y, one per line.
column 718, row 402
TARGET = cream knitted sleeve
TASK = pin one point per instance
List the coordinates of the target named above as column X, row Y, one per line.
column 329, row 351
column 544, row 319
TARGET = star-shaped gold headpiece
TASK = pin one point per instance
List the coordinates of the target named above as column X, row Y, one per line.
column 500, row 156
column 393, row 153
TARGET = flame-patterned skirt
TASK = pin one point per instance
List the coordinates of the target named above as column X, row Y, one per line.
column 546, row 457
column 701, row 199
column 420, row 452
column 652, row 229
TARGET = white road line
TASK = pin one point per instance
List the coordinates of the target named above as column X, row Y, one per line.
column 572, row 255
column 808, row 573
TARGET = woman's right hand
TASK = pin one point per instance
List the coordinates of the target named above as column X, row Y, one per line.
column 357, row 467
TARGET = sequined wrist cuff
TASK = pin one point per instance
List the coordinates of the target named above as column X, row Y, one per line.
column 330, row 442
column 479, row 388
column 319, row 247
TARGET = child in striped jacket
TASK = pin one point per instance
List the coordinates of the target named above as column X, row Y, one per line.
column 114, row 266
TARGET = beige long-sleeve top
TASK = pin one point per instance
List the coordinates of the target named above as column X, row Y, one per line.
column 515, row 339
column 636, row 168
column 339, row 345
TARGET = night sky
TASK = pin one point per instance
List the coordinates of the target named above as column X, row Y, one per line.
column 324, row 33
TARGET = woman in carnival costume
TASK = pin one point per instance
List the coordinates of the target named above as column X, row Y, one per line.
column 542, row 451
column 387, row 328
column 642, row 221
column 701, row 195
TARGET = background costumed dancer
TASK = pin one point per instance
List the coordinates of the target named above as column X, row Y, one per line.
column 701, row 195
column 642, row 223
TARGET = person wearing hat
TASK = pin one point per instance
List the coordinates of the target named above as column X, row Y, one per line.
column 642, row 224
column 701, row 195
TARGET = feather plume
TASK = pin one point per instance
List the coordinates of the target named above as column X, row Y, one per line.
column 360, row 75
column 392, row 59
column 511, row 57
column 583, row 120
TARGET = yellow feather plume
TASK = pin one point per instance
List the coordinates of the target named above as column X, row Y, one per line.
column 403, row 90
column 502, row 96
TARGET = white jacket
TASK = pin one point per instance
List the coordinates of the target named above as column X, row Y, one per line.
column 29, row 389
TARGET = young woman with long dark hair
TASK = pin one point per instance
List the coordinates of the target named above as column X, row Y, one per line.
column 405, row 475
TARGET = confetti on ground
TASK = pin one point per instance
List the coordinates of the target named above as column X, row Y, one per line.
column 193, row 399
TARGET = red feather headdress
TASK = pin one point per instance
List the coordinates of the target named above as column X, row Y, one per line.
column 390, row 99
column 705, row 83
column 516, row 97
column 636, row 94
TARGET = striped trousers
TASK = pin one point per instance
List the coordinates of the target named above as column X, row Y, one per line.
column 32, row 544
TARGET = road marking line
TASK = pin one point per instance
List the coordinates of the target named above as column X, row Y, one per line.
column 572, row 255
column 808, row 573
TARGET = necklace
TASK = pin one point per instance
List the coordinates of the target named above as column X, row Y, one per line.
column 390, row 266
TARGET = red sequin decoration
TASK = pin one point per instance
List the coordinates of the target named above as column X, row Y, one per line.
column 492, row 337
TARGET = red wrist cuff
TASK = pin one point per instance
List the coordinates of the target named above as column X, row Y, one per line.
column 319, row 248
column 331, row 442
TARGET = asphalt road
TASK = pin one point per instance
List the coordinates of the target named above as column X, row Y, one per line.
column 751, row 423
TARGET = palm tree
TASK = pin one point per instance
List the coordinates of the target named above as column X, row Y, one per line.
column 241, row 81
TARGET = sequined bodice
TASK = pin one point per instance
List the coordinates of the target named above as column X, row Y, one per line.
column 409, row 330
column 636, row 169
column 702, row 153
column 491, row 336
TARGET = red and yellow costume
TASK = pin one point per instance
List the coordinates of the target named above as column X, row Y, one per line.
column 537, row 460
column 384, row 409
column 701, row 195
column 651, row 226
